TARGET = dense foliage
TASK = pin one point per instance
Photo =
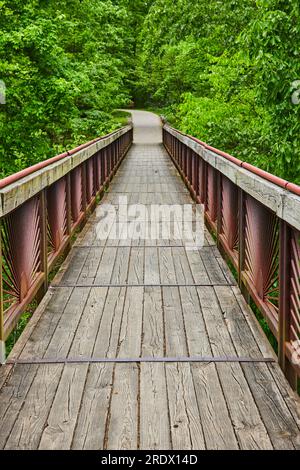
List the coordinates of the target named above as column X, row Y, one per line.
column 65, row 67
column 225, row 71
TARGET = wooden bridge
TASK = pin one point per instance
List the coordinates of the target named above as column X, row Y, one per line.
column 141, row 342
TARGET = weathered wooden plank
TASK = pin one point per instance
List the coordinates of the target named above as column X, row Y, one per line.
column 88, row 235
column 90, row 429
column 280, row 424
column 107, row 341
column 12, row 396
column 122, row 428
column 216, row 421
column 224, row 267
column 182, row 267
column 212, row 266
column 166, row 266
column 90, row 267
column 75, row 265
column 87, row 330
column 66, row 329
column 58, row 432
column 131, row 327
column 31, row 420
column 238, row 329
column 197, row 268
column 41, row 336
column 256, row 329
column 154, row 417
column 136, row 266
column 196, row 333
column 120, row 271
column 153, row 343
column 151, row 266
column 290, row 396
column 106, row 266
column 186, row 428
column 174, row 326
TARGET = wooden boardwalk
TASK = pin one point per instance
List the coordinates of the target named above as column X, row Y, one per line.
column 154, row 298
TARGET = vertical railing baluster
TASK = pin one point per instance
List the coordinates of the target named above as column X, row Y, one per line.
column 180, row 158
column 84, row 188
column 68, row 208
column 203, row 182
column 44, row 239
column 102, row 168
column 196, row 176
column 185, row 163
column 242, row 244
column 2, row 337
column 108, row 156
column 241, row 241
column 219, row 207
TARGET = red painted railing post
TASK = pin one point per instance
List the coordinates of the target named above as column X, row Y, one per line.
column 196, row 176
column 2, row 337
column 219, row 207
column 76, row 194
column 202, row 181
column 108, row 161
column 44, row 239
column 84, row 187
column 102, row 167
column 89, row 168
column 57, row 212
column 211, row 194
column 241, row 236
column 68, row 209
column 190, row 168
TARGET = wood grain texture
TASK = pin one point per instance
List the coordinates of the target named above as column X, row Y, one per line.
column 153, row 334
column 174, row 326
column 123, row 417
column 154, row 417
column 185, row 422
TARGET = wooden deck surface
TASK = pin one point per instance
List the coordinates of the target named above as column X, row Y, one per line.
column 135, row 298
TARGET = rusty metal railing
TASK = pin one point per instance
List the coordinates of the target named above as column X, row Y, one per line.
column 40, row 209
column 255, row 217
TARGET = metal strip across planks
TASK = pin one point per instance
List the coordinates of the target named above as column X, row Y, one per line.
column 85, row 360
column 54, row 286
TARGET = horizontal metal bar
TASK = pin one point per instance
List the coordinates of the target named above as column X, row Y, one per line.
column 132, row 246
column 191, row 359
column 147, row 192
column 140, row 285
